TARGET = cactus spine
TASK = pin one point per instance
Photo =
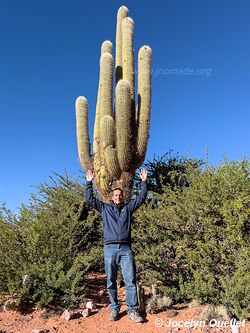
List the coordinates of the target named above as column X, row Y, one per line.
column 120, row 134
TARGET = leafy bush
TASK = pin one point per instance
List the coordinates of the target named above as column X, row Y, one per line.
column 190, row 239
column 236, row 286
column 54, row 242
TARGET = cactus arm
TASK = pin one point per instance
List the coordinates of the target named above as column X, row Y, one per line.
column 107, row 131
column 129, row 74
column 106, row 47
column 122, row 13
column 144, row 99
column 123, row 121
column 96, row 138
column 128, row 55
column 106, row 87
column 104, row 180
column 106, row 80
column 82, row 133
column 112, row 163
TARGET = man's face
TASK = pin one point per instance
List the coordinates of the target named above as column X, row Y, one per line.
column 117, row 197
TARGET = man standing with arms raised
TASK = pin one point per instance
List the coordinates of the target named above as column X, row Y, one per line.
column 117, row 243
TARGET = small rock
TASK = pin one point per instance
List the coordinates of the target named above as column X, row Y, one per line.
column 67, row 315
column 39, row 330
column 10, row 304
column 82, row 305
column 171, row 313
column 86, row 313
column 77, row 313
column 91, row 305
column 44, row 314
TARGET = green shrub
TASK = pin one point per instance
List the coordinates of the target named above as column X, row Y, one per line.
column 54, row 241
column 190, row 238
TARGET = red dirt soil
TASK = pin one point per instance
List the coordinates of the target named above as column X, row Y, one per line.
column 15, row 322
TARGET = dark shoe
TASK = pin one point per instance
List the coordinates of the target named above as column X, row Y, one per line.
column 135, row 316
column 113, row 316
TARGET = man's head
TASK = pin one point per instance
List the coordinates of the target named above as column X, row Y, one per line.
column 117, row 196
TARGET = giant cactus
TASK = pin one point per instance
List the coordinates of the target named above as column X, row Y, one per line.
column 120, row 131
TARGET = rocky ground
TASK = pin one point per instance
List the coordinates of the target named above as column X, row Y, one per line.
column 40, row 321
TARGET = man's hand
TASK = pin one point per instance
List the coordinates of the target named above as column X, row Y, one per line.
column 89, row 175
column 143, row 174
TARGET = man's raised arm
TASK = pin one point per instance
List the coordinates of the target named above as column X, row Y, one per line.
column 141, row 197
column 90, row 199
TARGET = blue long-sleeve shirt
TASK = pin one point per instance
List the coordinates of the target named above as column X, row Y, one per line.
column 116, row 219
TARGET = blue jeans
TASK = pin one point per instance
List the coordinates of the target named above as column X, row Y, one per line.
column 113, row 255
